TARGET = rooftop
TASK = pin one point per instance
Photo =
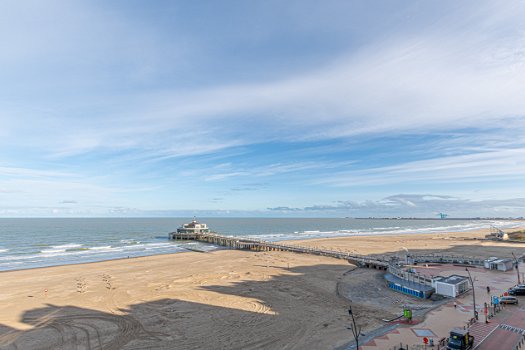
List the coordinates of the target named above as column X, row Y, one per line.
column 497, row 260
column 453, row 279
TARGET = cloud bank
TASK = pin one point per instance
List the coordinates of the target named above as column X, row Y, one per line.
column 169, row 106
column 415, row 205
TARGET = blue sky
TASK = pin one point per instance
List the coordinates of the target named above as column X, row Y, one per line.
column 262, row 108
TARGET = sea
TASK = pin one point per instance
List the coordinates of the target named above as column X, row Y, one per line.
column 39, row 242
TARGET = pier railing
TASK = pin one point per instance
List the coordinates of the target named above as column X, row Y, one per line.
column 261, row 245
column 401, row 272
column 448, row 259
column 378, row 262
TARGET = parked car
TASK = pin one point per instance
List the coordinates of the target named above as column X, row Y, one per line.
column 460, row 339
column 517, row 291
column 508, row 300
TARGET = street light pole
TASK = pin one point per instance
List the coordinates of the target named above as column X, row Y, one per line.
column 356, row 331
column 473, row 293
column 517, row 267
column 407, row 254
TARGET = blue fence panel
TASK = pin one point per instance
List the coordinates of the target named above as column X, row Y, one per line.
column 406, row 290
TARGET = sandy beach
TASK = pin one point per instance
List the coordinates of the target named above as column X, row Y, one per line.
column 462, row 243
column 218, row 300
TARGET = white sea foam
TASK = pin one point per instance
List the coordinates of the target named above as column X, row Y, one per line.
column 67, row 246
column 97, row 246
column 392, row 230
column 163, row 244
column 62, row 248
column 104, row 247
column 133, row 246
column 387, row 228
column 129, row 241
column 52, row 251
column 14, row 257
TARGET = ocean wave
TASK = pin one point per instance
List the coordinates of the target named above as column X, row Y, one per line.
column 67, row 246
column 129, row 241
column 387, row 228
column 163, row 244
column 380, row 231
column 133, row 246
column 52, row 251
column 104, row 247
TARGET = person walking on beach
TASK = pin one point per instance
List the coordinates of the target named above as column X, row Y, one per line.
column 488, row 289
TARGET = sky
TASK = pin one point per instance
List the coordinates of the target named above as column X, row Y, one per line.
column 262, row 108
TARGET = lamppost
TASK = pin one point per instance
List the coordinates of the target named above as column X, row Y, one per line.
column 473, row 293
column 356, row 330
column 407, row 254
column 517, row 262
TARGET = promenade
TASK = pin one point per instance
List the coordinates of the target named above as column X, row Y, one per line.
column 502, row 332
column 505, row 330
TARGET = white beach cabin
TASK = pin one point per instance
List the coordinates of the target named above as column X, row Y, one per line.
column 450, row 286
column 494, row 263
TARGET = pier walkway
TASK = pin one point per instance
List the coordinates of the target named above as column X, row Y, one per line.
column 375, row 262
column 380, row 263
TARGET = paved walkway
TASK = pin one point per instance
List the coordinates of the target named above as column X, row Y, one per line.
column 481, row 330
column 500, row 339
column 439, row 322
column 508, row 329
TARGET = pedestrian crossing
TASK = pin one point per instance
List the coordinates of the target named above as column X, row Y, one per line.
column 512, row 329
column 481, row 330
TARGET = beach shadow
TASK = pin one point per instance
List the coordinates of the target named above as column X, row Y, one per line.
column 296, row 309
column 287, row 311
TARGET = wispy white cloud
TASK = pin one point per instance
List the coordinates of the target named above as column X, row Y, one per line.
column 436, row 79
column 431, row 81
column 48, row 193
column 482, row 167
column 277, row 169
column 417, row 205
column 25, row 172
column 68, row 201
column 115, row 92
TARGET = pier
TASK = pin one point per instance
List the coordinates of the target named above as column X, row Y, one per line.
column 380, row 263
column 375, row 262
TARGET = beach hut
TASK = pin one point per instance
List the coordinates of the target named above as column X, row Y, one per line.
column 494, row 263
column 450, row 286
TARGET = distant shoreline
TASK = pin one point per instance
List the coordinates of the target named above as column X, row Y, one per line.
column 311, row 240
column 445, row 219
column 255, row 217
column 60, row 247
